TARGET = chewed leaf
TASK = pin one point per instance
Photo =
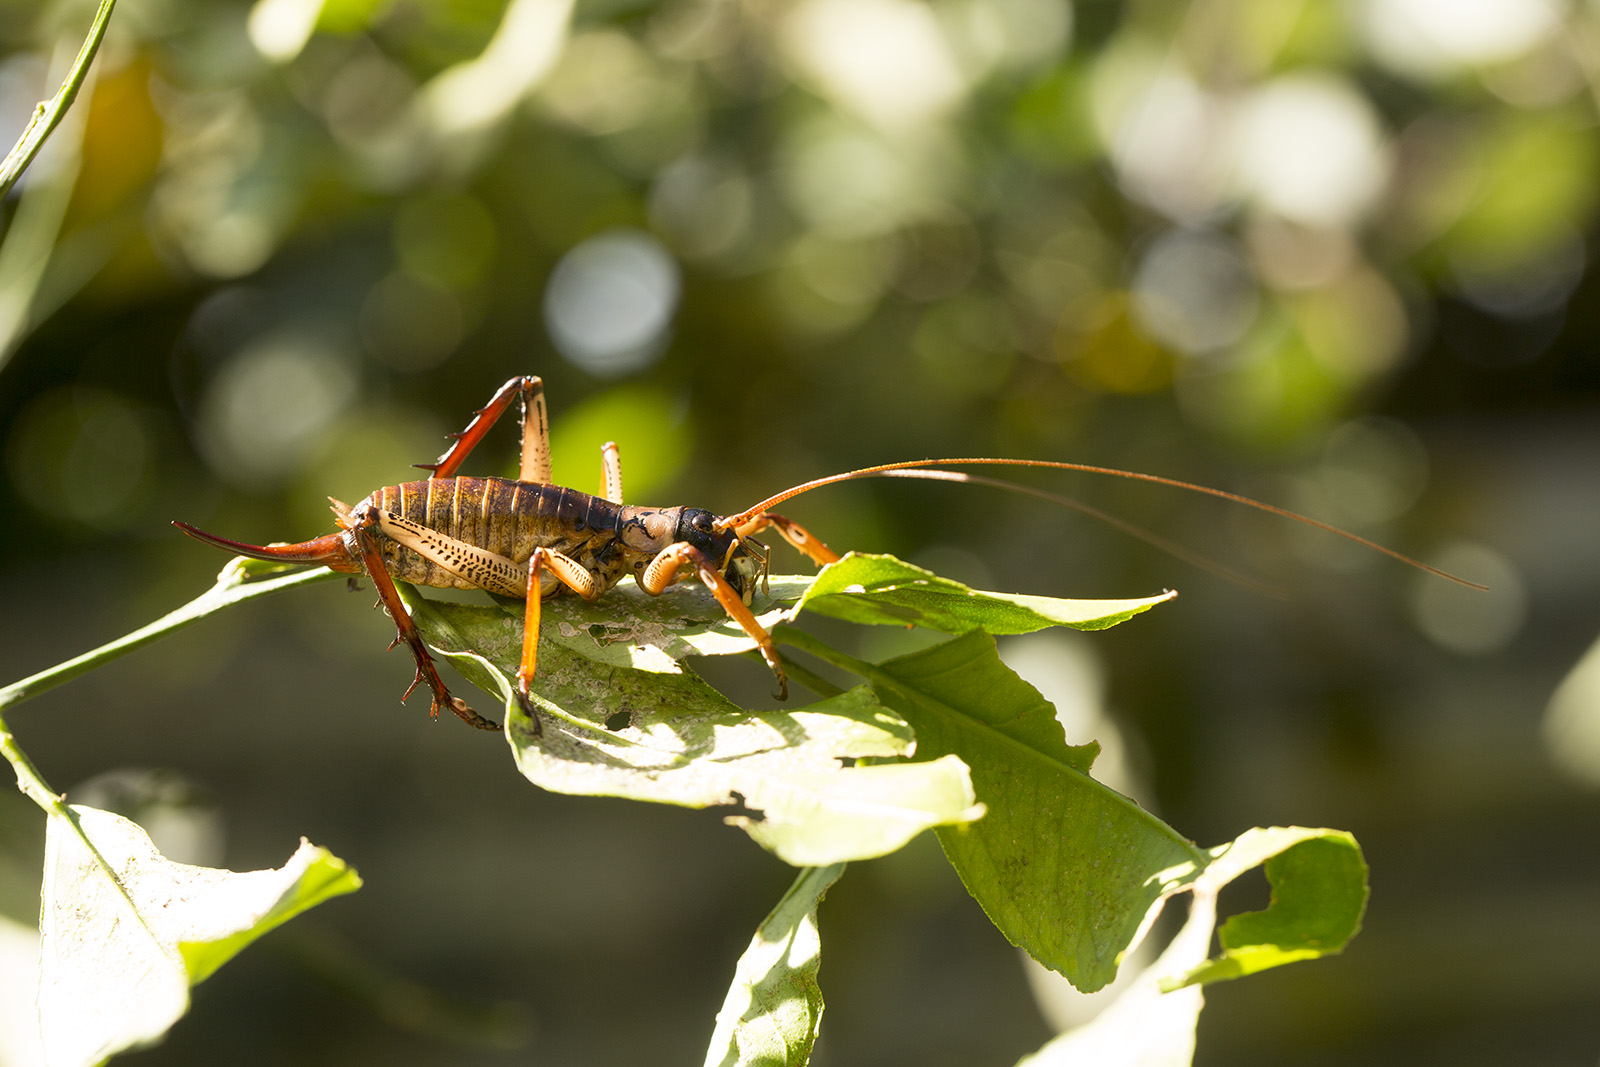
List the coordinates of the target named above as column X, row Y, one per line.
column 800, row 776
column 1319, row 893
column 1319, row 890
column 886, row 591
column 125, row 932
column 774, row 1007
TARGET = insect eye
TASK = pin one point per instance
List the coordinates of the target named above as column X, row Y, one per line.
column 702, row 523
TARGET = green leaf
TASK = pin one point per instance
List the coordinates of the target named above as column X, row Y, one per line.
column 1319, row 889
column 1319, row 893
column 774, row 1007
column 631, row 628
column 1065, row 867
column 125, row 932
column 883, row 590
column 670, row 738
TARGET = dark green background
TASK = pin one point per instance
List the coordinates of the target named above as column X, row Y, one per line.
column 968, row 275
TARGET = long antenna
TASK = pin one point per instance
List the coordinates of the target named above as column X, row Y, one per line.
column 1155, row 540
column 905, row 465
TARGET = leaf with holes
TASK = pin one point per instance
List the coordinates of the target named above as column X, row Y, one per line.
column 817, row 785
column 631, row 628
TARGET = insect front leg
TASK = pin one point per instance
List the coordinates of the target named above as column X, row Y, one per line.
column 363, row 526
column 664, row 568
column 535, row 432
column 798, row 536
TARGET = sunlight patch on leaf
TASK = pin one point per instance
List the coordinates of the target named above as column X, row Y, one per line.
column 1319, row 890
column 631, row 628
column 125, row 932
column 886, row 591
column 774, row 1007
column 805, row 779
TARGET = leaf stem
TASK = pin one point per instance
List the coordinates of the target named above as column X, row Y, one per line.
column 47, row 114
column 811, row 680
column 788, row 635
column 29, row 780
column 233, row 587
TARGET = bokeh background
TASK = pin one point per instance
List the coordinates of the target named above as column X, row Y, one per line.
column 1331, row 254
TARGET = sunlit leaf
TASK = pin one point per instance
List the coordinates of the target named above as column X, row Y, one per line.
column 883, row 590
column 630, row 628
column 1319, row 893
column 774, row 1007
column 798, row 776
column 125, row 932
column 19, row 995
column 1319, row 888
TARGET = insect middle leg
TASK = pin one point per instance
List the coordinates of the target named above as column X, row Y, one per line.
column 611, row 472
column 570, row 574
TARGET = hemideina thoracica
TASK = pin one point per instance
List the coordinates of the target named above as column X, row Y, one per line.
column 514, row 536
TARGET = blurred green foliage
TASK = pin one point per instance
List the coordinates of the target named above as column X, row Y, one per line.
column 1331, row 253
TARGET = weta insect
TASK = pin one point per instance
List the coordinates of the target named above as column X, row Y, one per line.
column 530, row 539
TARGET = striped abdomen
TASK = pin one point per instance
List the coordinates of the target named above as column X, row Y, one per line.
column 509, row 518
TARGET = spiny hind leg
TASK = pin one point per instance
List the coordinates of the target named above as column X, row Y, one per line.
column 535, row 432
column 362, row 525
column 664, row 568
column 575, row 578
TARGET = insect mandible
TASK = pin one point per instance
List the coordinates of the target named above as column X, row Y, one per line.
column 517, row 536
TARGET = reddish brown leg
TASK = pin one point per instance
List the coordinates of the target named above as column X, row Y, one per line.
column 792, row 532
column 660, row 573
column 535, row 432
column 363, row 521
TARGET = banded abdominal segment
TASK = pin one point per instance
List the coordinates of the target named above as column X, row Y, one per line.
column 471, row 533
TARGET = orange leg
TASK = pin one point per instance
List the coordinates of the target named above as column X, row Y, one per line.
column 573, row 577
column 363, row 522
column 664, row 568
column 792, row 532
column 535, row 432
